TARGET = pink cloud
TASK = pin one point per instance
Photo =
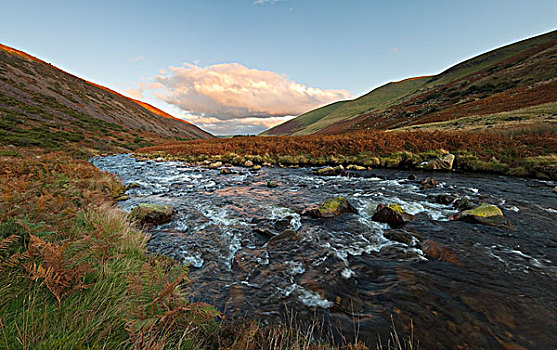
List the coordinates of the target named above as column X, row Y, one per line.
column 233, row 90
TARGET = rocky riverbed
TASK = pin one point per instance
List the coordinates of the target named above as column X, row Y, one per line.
column 255, row 250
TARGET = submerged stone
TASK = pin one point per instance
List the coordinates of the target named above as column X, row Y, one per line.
column 147, row 213
column 272, row 184
column 286, row 235
column 438, row 251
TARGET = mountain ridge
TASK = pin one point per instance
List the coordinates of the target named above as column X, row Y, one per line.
column 507, row 78
column 38, row 98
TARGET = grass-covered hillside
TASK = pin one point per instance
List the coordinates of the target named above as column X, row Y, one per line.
column 43, row 106
column 507, row 79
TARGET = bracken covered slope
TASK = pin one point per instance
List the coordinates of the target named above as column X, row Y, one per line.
column 39, row 100
column 513, row 77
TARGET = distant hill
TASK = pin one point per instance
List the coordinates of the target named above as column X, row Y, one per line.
column 41, row 105
column 513, row 77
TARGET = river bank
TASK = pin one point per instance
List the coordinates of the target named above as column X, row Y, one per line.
column 531, row 155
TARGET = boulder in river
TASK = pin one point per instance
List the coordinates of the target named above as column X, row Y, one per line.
column 445, row 199
column 331, row 208
column 463, row 204
column 487, row 214
column 256, row 167
column 248, row 163
column 272, row 184
column 225, row 171
column 442, row 163
column 429, row 182
column 147, row 213
column 391, row 214
column 555, row 190
column 401, row 236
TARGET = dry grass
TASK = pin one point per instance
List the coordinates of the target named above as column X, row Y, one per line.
column 74, row 273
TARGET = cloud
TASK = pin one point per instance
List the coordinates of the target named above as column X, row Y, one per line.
column 137, row 59
column 235, row 126
column 233, row 90
column 265, row 1
column 137, row 93
column 393, row 52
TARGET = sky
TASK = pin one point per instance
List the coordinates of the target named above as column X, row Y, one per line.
column 242, row 66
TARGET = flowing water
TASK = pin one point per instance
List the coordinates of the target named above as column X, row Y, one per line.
column 484, row 288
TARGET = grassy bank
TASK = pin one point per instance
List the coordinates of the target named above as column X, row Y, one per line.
column 528, row 154
column 74, row 273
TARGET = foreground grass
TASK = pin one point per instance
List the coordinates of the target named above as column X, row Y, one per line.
column 74, row 273
column 528, row 152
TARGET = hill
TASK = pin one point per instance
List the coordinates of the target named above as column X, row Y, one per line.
column 42, row 105
column 514, row 77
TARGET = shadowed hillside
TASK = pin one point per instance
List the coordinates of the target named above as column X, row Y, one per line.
column 507, row 79
column 41, row 105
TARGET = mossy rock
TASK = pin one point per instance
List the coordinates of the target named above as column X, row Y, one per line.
column 248, row 163
column 487, row 214
column 332, row 207
column 147, row 213
column 391, row 214
column 272, row 184
column 256, row 167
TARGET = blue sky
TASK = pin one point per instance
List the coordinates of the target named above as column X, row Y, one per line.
column 239, row 66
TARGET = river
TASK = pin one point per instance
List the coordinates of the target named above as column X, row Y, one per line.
column 485, row 288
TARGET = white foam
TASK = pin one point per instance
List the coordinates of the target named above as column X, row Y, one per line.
column 347, row 273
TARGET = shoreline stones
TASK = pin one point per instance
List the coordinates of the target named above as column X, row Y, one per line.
column 487, row 214
column 442, row 163
column 331, row 207
column 356, row 167
column 330, row 171
column 215, row 165
column 391, row 214
column 147, row 213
